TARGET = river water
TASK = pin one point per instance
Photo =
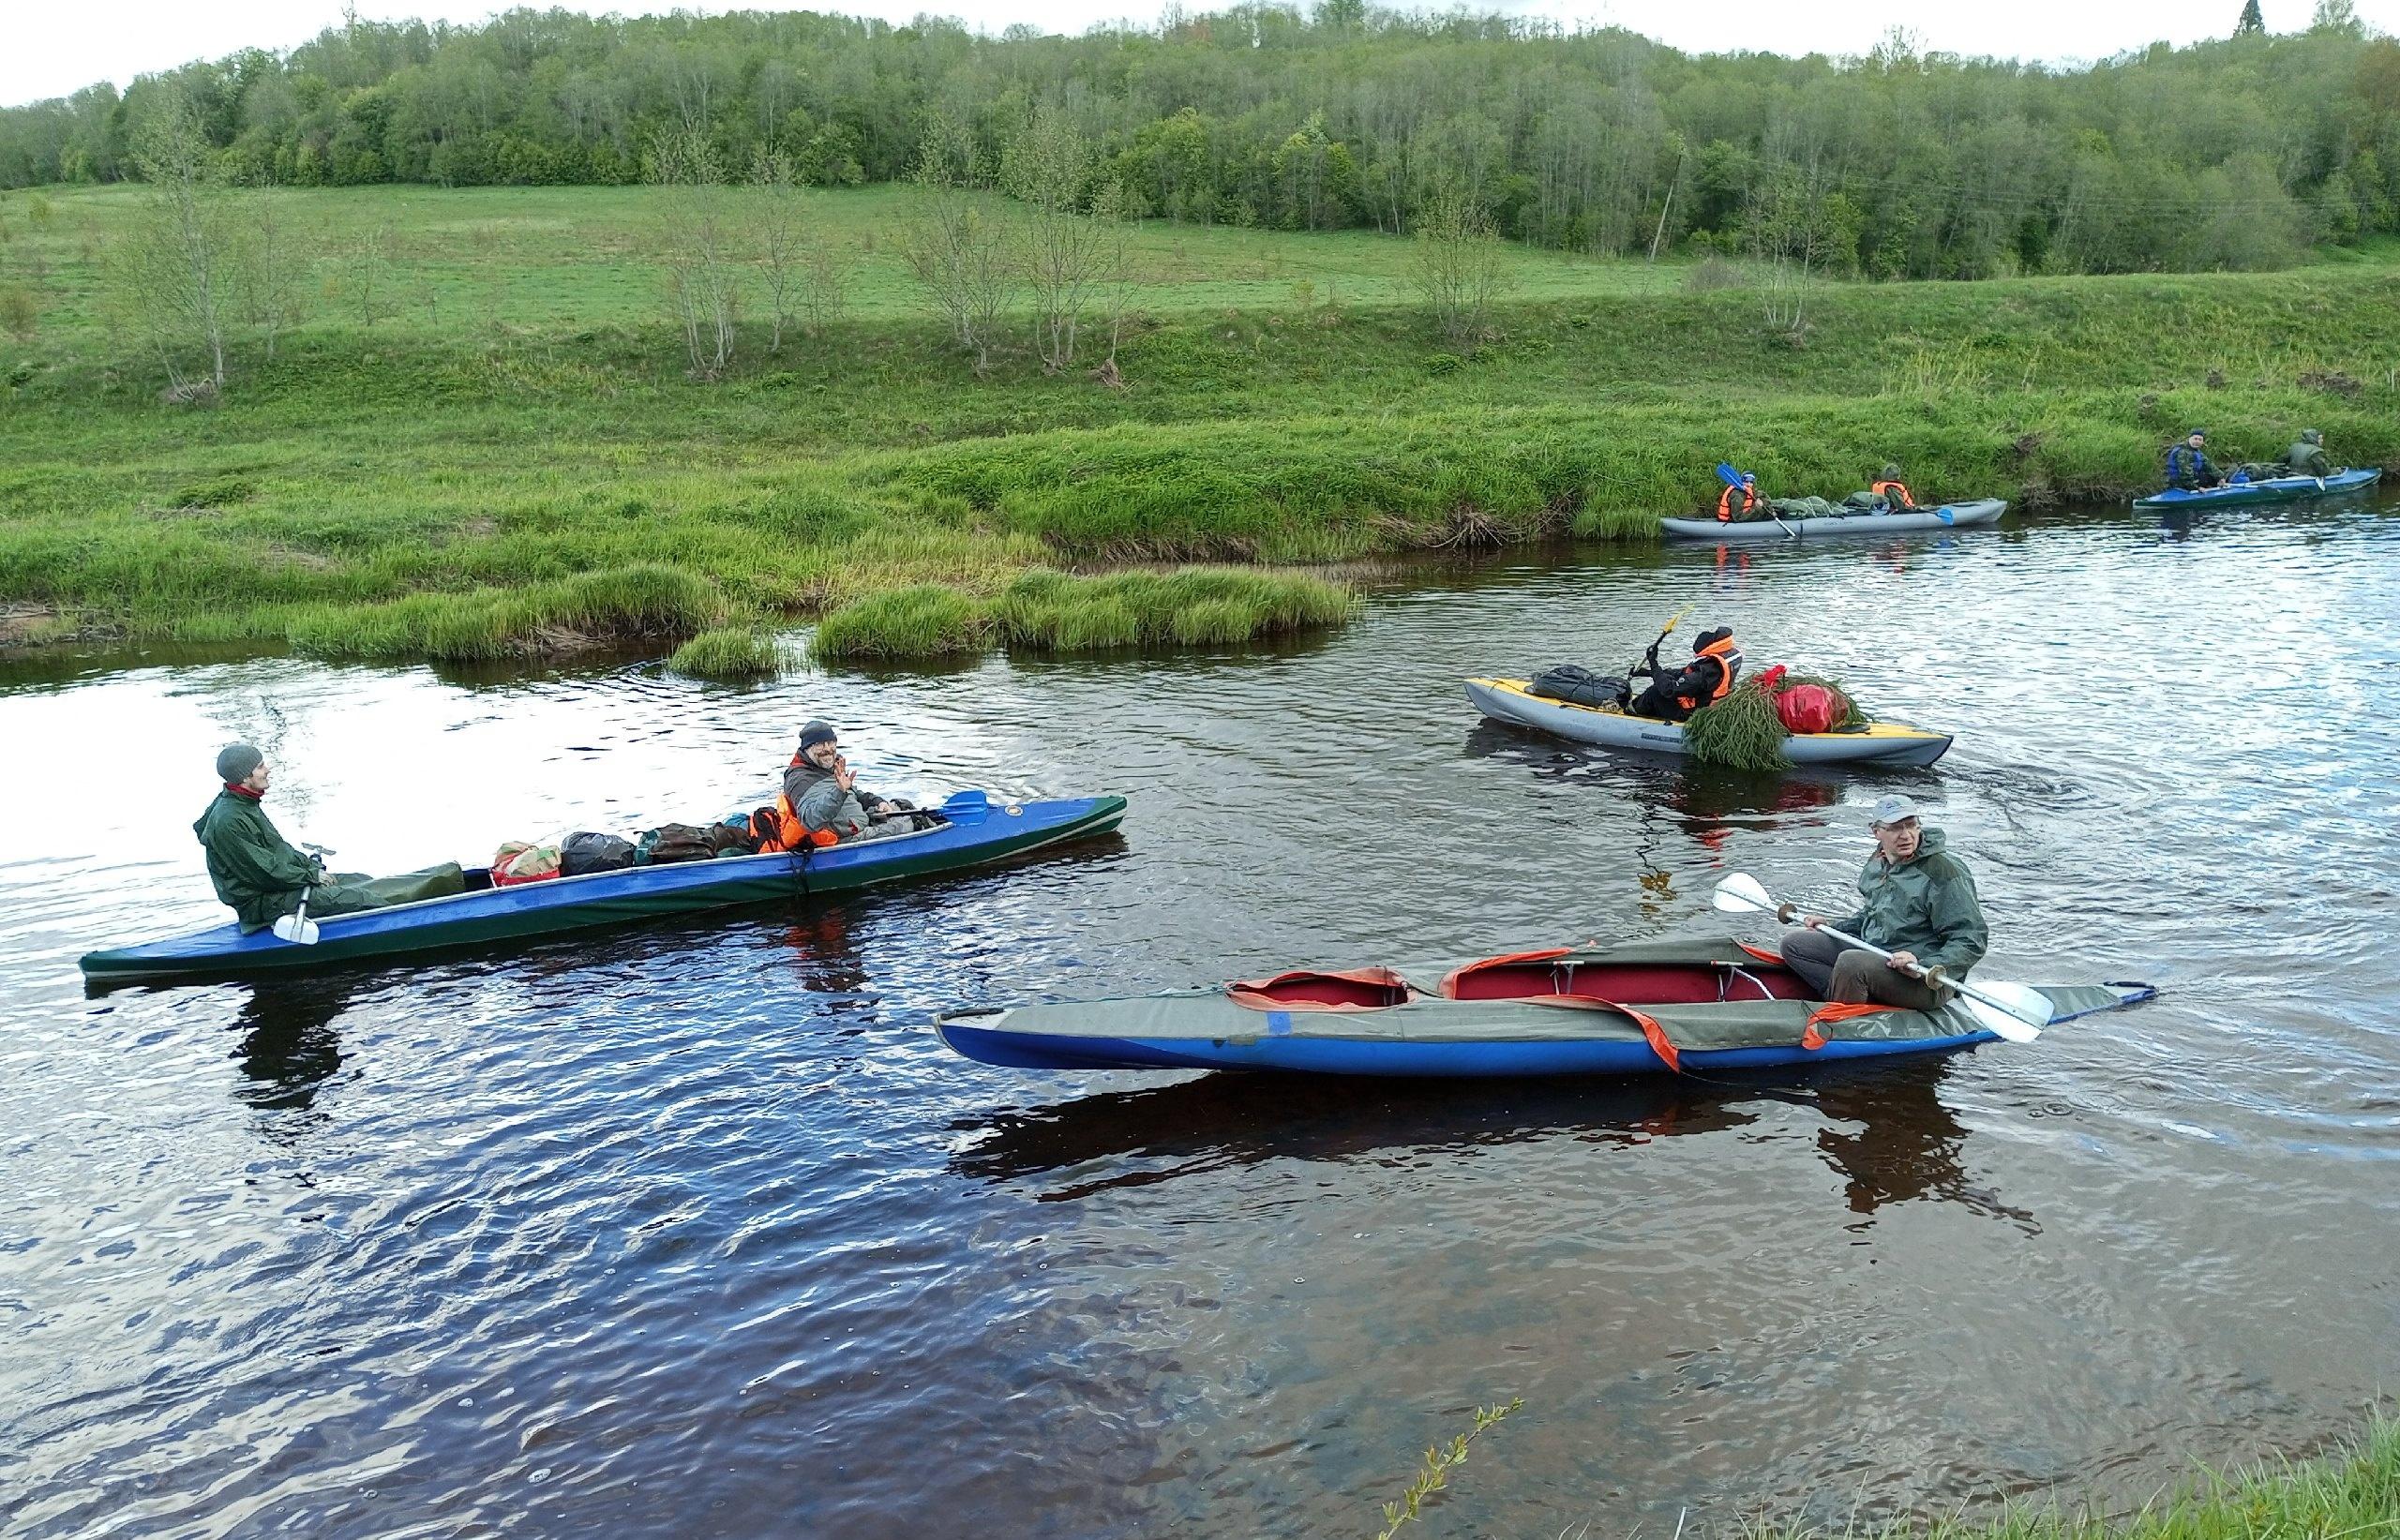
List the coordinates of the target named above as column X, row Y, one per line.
column 694, row 1228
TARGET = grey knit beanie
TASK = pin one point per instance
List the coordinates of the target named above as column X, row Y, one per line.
column 235, row 761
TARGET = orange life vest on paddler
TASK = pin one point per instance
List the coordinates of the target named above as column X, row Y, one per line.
column 1729, row 663
column 1725, row 513
column 1888, row 488
column 789, row 834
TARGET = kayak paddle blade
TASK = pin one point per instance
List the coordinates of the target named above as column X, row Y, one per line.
column 1945, row 515
column 2024, row 1002
column 299, row 929
column 1741, row 894
column 1727, row 474
column 2000, row 1024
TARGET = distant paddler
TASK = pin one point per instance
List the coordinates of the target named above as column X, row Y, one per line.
column 2307, row 456
column 1892, row 490
column 1739, row 501
column 1919, row 904
column 265, row 879
column 2187, row 464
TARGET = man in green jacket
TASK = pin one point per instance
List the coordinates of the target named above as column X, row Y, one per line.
column 261, row 878
column 2307, row 457
column 1920, row 906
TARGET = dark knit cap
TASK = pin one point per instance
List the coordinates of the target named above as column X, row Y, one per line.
column 235, row 761
column 819, row 731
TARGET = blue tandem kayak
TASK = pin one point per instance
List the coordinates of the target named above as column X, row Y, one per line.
column 1677, row 1004
column 975, row 831
column 2272, row 489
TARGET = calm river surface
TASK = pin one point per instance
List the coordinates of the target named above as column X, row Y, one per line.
column 693, row 1229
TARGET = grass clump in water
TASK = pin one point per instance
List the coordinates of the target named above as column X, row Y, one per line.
column 1742, row 731
column 928, row 621
column 593, row 609
column 730, row 652
column 1052, row 612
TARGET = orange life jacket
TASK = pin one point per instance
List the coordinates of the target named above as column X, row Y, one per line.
column 1725, row 502
column 789, row 834
column 1729, row 663
column 1888, row 487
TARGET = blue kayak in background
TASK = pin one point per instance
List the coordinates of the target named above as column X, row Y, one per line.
column 2271, row 489
column 974, row 830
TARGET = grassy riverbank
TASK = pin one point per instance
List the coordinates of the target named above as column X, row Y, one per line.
column 499, row 462
column 2353, row 1492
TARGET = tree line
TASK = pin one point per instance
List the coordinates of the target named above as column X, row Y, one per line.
column 2236, row 152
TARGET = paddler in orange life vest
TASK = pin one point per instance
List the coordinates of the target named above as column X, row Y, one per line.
column 1716, row 664
column 1737, row 502
column 822, row 803
column 1893, row 490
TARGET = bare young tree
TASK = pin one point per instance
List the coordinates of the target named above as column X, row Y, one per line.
column 775, row 194
column 1113, row 209
column 960, row 252
column 824, row 283
column 272, row 260
column 366, row 272
column 175, row 267
column 1458, row 270
column 1045, row 169
column 699, row 245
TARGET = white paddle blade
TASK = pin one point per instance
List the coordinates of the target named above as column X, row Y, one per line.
column 1741, row 894
column 296, row 928
column 1998, row 1023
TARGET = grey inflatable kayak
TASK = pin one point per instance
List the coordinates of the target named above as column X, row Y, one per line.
column 1877, row 743
column 1949, row 516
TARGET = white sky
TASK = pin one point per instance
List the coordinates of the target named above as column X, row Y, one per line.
column 52, row 48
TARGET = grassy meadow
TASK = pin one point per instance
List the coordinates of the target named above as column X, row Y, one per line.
column 481, row 440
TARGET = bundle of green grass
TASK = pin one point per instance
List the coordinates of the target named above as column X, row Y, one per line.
column 1743, row 731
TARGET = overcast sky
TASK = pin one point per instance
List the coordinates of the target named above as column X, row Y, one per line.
column 55, row 48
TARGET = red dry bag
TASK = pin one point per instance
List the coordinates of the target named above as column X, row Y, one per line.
column 1810, row 709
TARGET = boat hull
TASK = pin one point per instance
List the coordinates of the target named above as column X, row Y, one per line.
column 1880, row 743
column 979, row 832
column 1675, row 1004
column 2275, row 489
column 1962, row 515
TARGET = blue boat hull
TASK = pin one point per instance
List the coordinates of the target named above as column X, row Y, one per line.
column 978, row 832
column 2274, row 489
column 1408, row 1060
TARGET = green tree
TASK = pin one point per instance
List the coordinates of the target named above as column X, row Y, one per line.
column 2252, row 24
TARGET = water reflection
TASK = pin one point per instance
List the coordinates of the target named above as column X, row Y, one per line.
column 1905, row 1146
column 1902, row 1145
column 289, row 1047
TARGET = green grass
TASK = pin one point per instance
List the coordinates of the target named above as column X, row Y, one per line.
column 1047, row 611
column 730, row 652
column 2350, row 1494
column 925, row 621
column 521, row 419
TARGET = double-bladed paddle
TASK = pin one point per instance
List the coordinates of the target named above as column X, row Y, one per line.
column 2015, row 1011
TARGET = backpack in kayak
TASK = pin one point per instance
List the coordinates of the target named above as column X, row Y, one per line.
column 671, row 842
column 585, row 852
column 1579, row 686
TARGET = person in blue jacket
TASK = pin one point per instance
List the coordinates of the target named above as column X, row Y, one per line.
column 2188, row 467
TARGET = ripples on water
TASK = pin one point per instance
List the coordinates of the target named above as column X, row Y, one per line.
column 692, row 1227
